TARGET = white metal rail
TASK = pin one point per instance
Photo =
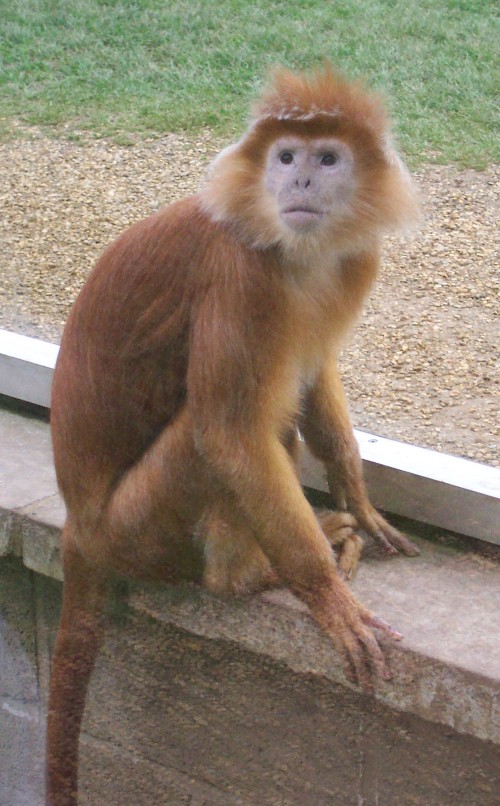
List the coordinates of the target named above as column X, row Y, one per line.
column 418, row 483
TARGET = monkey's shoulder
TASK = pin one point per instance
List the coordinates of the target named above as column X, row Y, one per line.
column 178, row 246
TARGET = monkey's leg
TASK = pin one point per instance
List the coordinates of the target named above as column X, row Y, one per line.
column 236, row 564
column 234, row 561
column 168, row 518
column 339, row 528
column 327, row 430
column 147, row 524
column 78, row 640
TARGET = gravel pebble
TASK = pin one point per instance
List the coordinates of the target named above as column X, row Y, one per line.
column 421, row 366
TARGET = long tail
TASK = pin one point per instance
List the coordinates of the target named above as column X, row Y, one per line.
column 78, row 640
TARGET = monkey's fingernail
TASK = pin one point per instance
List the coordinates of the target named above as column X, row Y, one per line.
column 380, row 624
column 398, row 636
column 384, row 543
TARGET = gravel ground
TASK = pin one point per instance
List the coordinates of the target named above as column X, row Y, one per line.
column 421, row 366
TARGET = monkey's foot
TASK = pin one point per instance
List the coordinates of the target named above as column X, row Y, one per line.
column 238, row 568
column 339, row 528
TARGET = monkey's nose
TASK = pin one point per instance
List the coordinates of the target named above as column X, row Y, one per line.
column 302, row 183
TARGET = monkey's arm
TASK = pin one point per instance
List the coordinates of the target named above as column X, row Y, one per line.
column 236, row 435
column 256, row 470
column 327, row 430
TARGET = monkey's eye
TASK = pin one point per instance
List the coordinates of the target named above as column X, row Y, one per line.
column 286, row 157
column 329, row 159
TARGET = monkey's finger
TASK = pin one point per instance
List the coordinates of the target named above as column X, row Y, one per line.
column 375, row 655
column 351, row 655
column 387, row 534
column 382, row 540
column 350, row 554
column 375, row 621
column 402, row 543
column 345, row 658
column 359, row 668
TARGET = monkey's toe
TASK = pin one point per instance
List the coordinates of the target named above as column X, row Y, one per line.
column 339, row 528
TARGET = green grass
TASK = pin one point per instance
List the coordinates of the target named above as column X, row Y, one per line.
column 150, row 66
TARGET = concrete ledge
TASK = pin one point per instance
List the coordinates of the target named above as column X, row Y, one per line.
column 31, row 510
column 446, row 670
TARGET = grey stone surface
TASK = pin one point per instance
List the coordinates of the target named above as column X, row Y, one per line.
column 48, row 511
column 21, row 712
column 21, row 755
column 447, row 668
column 115, row 776
column 177, row 719
column 7, row 545
column 27, row 473
column 18, row 681
column 40, row 546
column 26, row 468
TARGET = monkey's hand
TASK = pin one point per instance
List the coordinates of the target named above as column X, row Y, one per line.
column 376, row 526
column 349, row 624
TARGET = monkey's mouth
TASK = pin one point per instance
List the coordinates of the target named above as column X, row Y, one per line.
column 301, row 216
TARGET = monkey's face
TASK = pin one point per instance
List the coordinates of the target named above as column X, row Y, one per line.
column 311, row 181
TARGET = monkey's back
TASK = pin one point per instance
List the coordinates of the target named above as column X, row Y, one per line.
column 121, row 371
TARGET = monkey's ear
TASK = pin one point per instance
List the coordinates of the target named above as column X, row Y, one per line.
column 234, row 194
column 220, row 157
column 400, row 198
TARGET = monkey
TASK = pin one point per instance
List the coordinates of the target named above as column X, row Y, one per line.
column 204, row 340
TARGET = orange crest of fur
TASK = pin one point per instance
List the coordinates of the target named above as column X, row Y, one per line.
column 322, row 93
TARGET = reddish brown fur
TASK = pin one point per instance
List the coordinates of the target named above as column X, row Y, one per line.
column 200, row 341
column 327, row 92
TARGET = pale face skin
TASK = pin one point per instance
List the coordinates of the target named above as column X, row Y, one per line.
column 312, row 181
